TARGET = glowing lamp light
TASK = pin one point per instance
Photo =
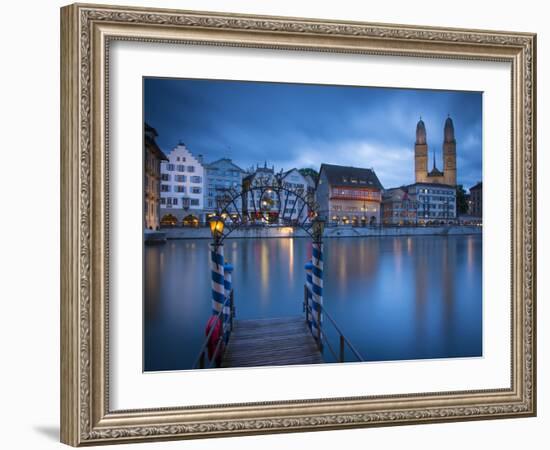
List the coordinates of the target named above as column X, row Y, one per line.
column 216, row 227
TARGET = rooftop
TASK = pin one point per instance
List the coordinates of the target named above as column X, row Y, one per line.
column 477, row 186
column 350, row 176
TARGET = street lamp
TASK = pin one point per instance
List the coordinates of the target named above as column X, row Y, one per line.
column 318, row 228
column 216, row 228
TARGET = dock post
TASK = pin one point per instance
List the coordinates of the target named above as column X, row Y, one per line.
column 218, row 281
column 317, row 289
column 232, row 309
column 307, row 295
column 227, row 310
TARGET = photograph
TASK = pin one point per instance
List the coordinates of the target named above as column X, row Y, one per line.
column 294, row 224
column 336, row 229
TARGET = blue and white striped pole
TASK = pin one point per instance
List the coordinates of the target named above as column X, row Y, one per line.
column 308, row 268
column 218, row 281
column 227, row 270
column 317, row 289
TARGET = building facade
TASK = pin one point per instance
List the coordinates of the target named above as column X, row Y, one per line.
column 182, row 188
column 293, row 208
column 398, row 208
column 349, row 195
column 421, row 154
column 222, row 178
column 258, row 208
column 436, row 203
column 153, row 156
column 476, row 200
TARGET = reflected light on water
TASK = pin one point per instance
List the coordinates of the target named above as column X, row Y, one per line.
column 395, row 298
column 470, row 253
column 264, row 271
column 291, row 259
column 397, row 255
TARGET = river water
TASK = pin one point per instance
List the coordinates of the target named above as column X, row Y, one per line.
column 394, row 298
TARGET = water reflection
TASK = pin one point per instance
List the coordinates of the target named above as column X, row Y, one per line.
column 395, row 297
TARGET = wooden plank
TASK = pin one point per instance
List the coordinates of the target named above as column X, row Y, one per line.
column 271, row 342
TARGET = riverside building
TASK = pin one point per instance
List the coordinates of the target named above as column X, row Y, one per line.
column 476, row 200
column 436, row 203
column 182, row 188
column 292, row 207
column 153, row 156
column 349, row 195
column 223, row 178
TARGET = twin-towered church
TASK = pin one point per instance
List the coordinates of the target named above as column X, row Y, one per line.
column 421, row 154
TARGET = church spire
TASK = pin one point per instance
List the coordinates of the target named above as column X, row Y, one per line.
column 420, row 132
column 449, row 131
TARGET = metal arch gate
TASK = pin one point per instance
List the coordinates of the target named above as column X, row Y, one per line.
column 272, row 201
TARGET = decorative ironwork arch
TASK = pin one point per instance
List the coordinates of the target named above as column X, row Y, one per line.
column 268, row 199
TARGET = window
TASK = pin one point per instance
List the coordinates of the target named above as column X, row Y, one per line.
column 174, row 201
column 164, row 188
column 190, row 169
column 180, row 188
column 178, row 158
column 195, row 190
column 210, row 203
column 194, row 202
column 196, row 179
column 180, row 178
column 169, row 201
column 181, row 168
column 162, row 201
column 170, row 167
column 165, row 177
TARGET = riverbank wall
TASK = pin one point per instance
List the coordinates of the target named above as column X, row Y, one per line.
column 331, row 232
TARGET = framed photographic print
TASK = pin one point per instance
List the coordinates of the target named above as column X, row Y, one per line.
column 275, row 224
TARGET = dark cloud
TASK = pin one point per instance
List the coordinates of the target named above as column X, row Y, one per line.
column 297, row 125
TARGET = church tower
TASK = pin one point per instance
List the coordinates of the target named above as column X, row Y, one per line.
column 420, row 153
column 449, row 153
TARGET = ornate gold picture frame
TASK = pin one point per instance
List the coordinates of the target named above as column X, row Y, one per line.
column 87, row 32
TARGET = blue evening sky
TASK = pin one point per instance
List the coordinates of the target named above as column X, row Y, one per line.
column 298, row 125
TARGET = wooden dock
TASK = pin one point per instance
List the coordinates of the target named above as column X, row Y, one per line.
column 271, row 342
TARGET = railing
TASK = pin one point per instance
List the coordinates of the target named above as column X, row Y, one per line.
column 322, row 336
column 201, row 358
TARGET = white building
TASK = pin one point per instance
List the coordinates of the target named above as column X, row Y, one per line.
column 293, row 208
column 436, row 202
column 276, row 206
column 254, row 207
column 182, row 188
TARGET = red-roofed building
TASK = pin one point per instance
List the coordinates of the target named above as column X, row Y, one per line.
column 349, row 195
